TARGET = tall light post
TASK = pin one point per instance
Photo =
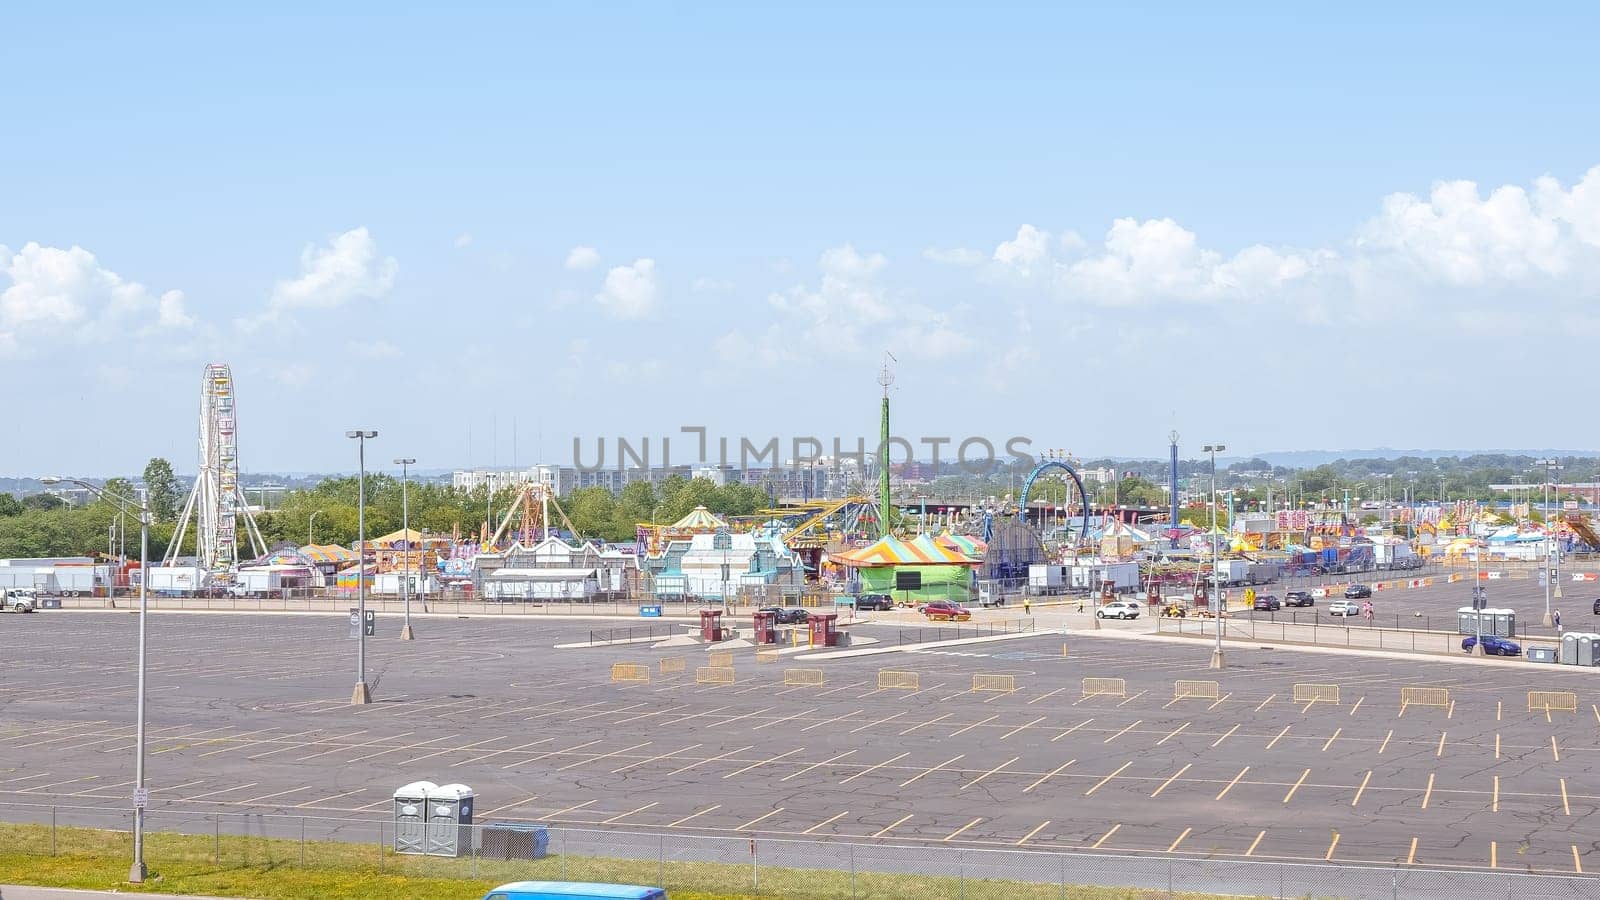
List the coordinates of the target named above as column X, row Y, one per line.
column 1552, row 582
column 137, row 871
column 1222, row 605
column 362, row 695
column 405, row 464
column 309, row 522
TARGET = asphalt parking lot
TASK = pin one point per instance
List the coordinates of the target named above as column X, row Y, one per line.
column 249, row 713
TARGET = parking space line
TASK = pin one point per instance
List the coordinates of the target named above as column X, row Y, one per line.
column 1105, row 837
column 25, row 778
column 1411, row 858
column 832, row 720
column 1274, row 742
column 1494, row 855
column 896, row 824
column 789, row 718
column 472, row 746
column 1133, row 698
column 1451, row 712
column 45, row 787
column 1497, row 745
column 757, row 765
column 1102, row 782
column 1577, row 864
column 1219, row 701
column 1040, row 827
column 1499, row 709
column 692, row 815
column 485, row 813
column 575, row 808
column 1124, row 731
column 1265, row 702
column 1360, row 790
column 990, row 772
column 711, row 759
column 1021, row 727
column 515, row 749
column 1175, row 777
column 875, row 767
column 1072, row 729
column 268, row 796
column 1224, row 791
column 815, row 765
column 828, row 821
column 549, row 753
column 931, row 769
column 630, row 812
column 974, row 725
column 1331, row 739
column 1359, row 700
column 1255, row 843
column 1056, row 771
column 1428, row 794
column 1440, row 751
column 355, row 746
column 924, row 724
column 1494, row 802
column 1173, row 847
column 1332, row 845
column 1045, row 697
column 1173, row 733
column 959, row 831
column 327, row 799
column 1554, row 750
column 235, row 742
column 668, row 755
column 1385, row 745
column 237, row 787
column 1226, row 735
column 1303, row 776
column 878, row 722
column 761, row 818
column 591, row 759
column 1565, row 806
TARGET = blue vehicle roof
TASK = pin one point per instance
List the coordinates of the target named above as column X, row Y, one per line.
column 581, row 889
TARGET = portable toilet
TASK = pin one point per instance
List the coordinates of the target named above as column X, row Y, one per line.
column 1569, row 648
column 449, row 820
column 711, row 625
column 766, row 627
column 410, row 817
column 1466, row 620
column 1586, row 649
column 1502, row 622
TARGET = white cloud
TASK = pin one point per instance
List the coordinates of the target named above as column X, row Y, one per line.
column 845, row 262
column 294, row 375
column 50, row 293
column 581, row 259
column 1029, row 248
column 954, row 256
column 463, row 239
column 348, row 268
column 630, row 292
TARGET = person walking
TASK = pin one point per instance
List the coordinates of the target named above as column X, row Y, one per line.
column 1557, row 619
column 1027, row 606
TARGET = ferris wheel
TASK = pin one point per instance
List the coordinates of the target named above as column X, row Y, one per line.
column 216, row 502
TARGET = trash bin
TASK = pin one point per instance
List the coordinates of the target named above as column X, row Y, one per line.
column 449, row 830
column 411, row 816
column 515, row 840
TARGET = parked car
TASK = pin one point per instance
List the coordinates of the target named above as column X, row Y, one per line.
column 1492, row 645
column 1119, row 609
column 944, row 610
column 573, row 890
column 788, row 615
column 1357, row 592
column 1267, row 603
column 1299, row 598
column 1597, row 607
column 1344, row 608
column 874, row 601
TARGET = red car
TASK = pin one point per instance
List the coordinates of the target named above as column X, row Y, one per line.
column 946, row 611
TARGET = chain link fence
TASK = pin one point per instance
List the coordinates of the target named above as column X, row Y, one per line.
column 737, row 864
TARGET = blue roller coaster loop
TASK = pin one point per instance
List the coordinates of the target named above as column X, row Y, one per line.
column 1083, row 495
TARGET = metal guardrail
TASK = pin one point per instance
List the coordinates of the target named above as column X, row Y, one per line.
column 633, row 632
column 959, row 632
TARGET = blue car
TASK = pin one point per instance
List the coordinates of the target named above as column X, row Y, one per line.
column 1493, row 646
column 573, row 890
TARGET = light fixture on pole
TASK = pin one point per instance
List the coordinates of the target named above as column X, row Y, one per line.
column 362, row 695
column 1217, row 660
column 309, row 522
column 137, row 871
column 405, row 464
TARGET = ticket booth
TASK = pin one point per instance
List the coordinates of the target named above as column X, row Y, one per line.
column 766, row 627
column 711, row 624
column 824, row 629
column 1108, row 591
column 1154, row 593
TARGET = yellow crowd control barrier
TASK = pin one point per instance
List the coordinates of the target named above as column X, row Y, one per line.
column 1003, row 684
column 720, row 659
column 1424, row 696
column 1063, row 649
column 1552, row 701
column 768, row 656
column 803, row 677
column 714, row 675
column 630, row 672
column 1316, row 693
column 1112, row 687
column 672, row 665
column 893, row 678
column 1196, row 690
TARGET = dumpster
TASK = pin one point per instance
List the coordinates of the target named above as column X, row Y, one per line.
column 410, row 817
column 449, row 820
column 711, row 624
column 515, row 840
column 766, row 626
column 824, row 629
column 1541, row 654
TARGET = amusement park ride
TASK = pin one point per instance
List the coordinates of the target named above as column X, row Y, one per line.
column 532, row 508
column 216, row 501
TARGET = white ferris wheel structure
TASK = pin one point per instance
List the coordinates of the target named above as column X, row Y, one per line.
column 216, row 503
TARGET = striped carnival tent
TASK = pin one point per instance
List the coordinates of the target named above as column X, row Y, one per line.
column 328, row 554
column 943, row 572
column 965, row 544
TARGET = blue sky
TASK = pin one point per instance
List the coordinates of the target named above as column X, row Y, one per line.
column 1351, row 227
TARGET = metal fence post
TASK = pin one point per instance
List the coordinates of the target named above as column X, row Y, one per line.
column 302, row 842
column 852, row 871
column 1281, row 894
column 1169, row 878
column 52, row 831
column 1064, row 872
column 754, row 881
column 661, row 861
column 216, row 839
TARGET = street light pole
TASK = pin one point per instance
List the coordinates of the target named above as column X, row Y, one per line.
column 405, row 464
column 362, row 695
column 1217, row 660
column 137, row 870
column 309, row 522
